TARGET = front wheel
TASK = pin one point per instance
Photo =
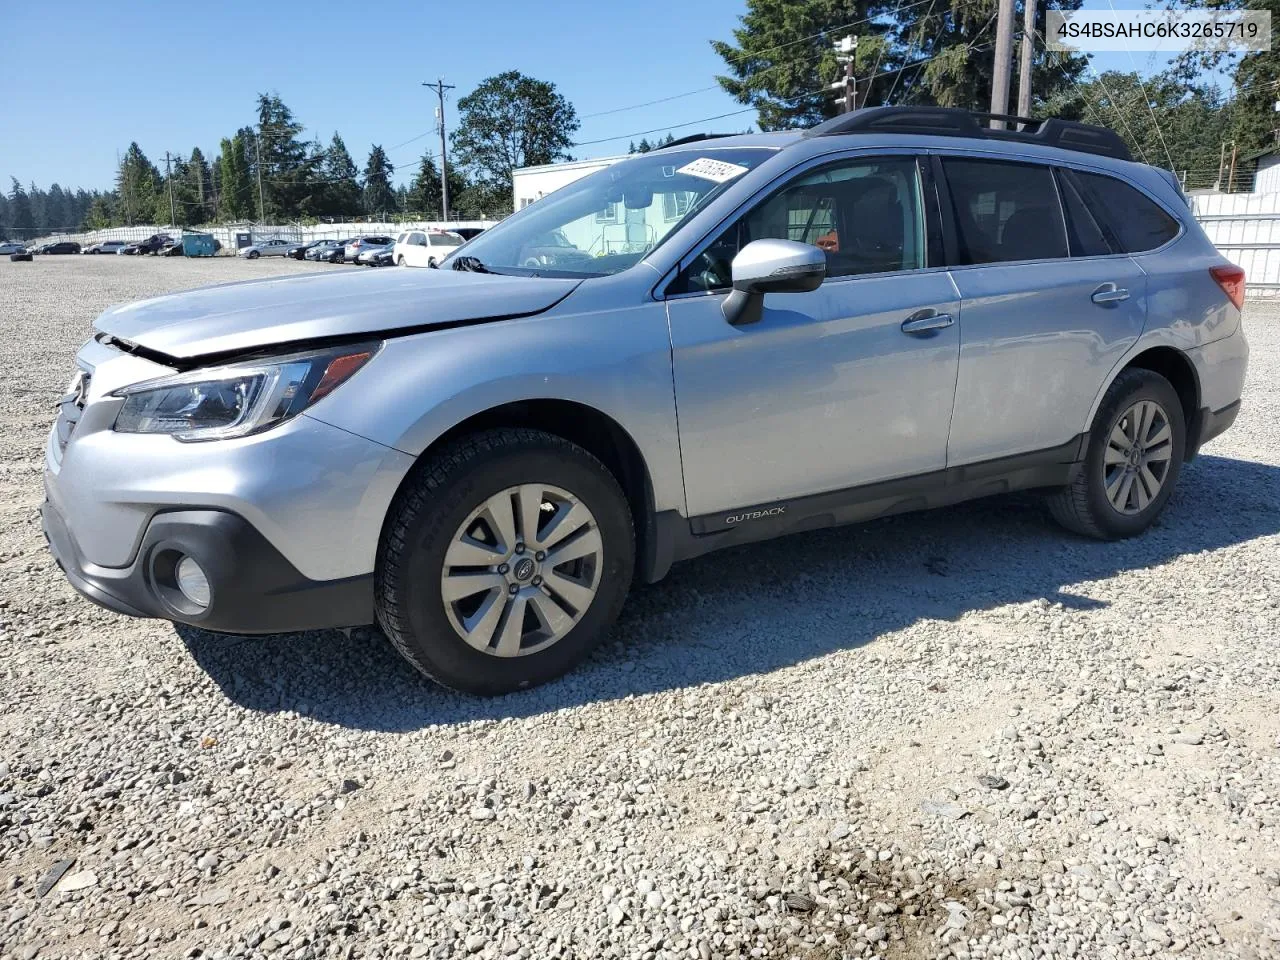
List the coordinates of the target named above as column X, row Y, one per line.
column 1134, row 456
column 252, row 255
column 503, row 561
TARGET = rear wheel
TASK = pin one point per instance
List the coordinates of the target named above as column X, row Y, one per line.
column 1134, row 456
column 504, row 560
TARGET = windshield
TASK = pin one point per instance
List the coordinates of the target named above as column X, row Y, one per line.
column 607, row 221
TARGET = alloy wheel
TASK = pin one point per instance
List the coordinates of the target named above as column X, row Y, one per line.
column 521, row 570
column 1138, row 456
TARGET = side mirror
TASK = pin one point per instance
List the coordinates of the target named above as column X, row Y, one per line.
column 771, row 266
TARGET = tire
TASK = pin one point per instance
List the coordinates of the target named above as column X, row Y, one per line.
column 1085, row 506
column 434, row 510
column 399, row 261
column 252, row 255
column 431, row 263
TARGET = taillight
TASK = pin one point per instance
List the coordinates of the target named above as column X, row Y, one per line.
column 1231, row 279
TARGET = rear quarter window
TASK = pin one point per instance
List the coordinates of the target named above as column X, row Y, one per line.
column 1136, row 222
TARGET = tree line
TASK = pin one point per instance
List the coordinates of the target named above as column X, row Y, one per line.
column 267, row 171
column 780, row 64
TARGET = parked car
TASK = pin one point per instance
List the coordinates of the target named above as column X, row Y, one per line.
column 60, row 247
column 9, row 247
column 424, row 248
column 298, row 251
column 383, row 258
column 105, row 246
column 357, row 245
column 21, row 255
column 275, row 247
column 483, row 457
column 365, row 256
column 330, row 251
column 152, row 244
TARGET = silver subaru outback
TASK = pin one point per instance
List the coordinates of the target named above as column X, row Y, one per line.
column 722, row 341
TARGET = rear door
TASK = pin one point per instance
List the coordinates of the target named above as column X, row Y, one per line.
column 1047, row 308
column 828, row 390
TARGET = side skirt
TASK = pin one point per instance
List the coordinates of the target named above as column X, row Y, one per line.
column 675, row 540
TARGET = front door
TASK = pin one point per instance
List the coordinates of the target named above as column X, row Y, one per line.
column 827, row 391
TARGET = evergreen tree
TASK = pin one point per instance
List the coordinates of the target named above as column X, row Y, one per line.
column 200, row 186
column 379, row 198
column 783, row 60
column 424, row 193
column 20, row 219
column 236, row 196
column 137, row 183
column 341, row 195
column 286, row 167
column 99, row 215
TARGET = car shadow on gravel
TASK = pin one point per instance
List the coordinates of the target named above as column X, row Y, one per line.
column 758, row 608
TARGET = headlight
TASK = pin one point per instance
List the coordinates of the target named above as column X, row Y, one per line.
column 219, row 403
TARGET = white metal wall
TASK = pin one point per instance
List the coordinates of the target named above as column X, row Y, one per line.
column 1245, row 227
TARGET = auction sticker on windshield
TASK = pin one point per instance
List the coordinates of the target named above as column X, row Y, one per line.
column 716, row 170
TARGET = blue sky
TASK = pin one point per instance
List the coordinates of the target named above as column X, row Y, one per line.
column 90, row 72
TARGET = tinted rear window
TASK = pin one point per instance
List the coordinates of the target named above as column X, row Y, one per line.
column 1137, row 222
column 1004, row 211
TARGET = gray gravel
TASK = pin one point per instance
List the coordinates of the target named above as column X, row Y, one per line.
column 960, row 734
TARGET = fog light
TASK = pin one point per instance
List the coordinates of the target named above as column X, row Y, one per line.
column 192, row 581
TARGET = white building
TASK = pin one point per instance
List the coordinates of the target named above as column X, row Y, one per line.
column 534, row 183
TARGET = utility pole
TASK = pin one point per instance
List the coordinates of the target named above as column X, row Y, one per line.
column 1231, row 177
column 440, row 87
column 845, row 49
column 1028, row 54
column 257, row 153
column 1003, row 62
column 168, row 175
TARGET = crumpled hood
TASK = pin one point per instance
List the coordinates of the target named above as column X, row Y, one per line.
column 233, row 317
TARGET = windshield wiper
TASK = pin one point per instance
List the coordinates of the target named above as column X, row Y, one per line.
column 469, row 265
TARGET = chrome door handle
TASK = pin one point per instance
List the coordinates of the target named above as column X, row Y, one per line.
column 925, row 323
column 1110, row 293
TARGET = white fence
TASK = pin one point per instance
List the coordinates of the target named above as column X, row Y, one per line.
column 226, row 233
column 1246, row 228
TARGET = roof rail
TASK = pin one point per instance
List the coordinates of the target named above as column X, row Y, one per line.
column 953, row 122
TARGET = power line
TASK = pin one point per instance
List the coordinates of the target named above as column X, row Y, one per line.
column 1146, row 98
column 670, row 126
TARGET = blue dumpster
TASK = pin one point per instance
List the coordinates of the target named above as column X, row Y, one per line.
column 198, row 245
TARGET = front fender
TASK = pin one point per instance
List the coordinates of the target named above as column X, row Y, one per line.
column 616, row 360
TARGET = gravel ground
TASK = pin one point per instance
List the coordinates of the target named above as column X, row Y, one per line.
column 957, row 734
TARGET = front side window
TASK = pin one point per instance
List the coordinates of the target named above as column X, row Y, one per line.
column 1004, row 211
column 609, row 220
column 1137, row 222
column 866, row 215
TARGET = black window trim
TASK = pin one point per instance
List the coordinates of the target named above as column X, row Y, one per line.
column 1108, row 236
column 932, row 224
column 949, row 222
column 1072, row 163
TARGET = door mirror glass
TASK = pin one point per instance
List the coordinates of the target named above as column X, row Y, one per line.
column 771, row 266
